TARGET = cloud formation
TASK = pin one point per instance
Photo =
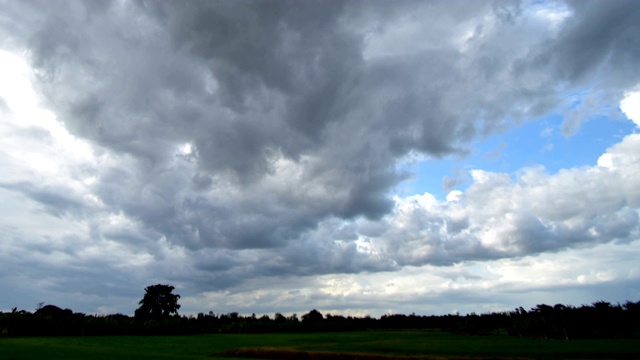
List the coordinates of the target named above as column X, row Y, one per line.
column 235, row 139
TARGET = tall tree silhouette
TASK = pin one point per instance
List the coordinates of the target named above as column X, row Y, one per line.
column 158, row 302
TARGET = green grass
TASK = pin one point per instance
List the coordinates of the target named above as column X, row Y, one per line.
column 446, row 344
column 128, row 347
column 406, row 343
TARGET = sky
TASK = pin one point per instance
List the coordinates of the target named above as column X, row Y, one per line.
column 354, row 157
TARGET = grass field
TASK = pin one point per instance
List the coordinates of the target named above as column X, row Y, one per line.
column 359, row 345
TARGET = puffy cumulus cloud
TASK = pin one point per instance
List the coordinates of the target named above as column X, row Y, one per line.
column 630, row 106
column 206, row 142
column 503, row 216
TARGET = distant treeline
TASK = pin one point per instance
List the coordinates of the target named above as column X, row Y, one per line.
column 598, row 320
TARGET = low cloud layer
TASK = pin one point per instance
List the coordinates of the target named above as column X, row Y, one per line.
column 211, row 144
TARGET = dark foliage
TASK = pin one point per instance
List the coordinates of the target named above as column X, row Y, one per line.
column 52, row 310
column 599, row 320
column 158, row 302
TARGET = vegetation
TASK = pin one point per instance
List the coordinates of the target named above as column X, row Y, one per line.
column 599, row 320
column 323, row 346
column 599, row 330
column 157, row 315
column 158, row 302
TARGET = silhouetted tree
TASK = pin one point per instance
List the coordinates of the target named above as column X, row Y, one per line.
column 52, row 310
column 158, row 302
column 280, row 318
column 312, row 316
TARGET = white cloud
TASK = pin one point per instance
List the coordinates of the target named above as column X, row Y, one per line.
column 454, row 195
column 38, row 145
column 551, row 13
column 500, row 216
column 630, row 106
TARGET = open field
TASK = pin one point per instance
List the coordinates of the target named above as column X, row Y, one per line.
column 357, row 345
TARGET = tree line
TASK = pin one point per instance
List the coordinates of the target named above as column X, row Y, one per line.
column 158, row 315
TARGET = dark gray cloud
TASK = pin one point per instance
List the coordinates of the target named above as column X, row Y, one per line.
column 598, row 34
column 55, row 201
column 598, row 38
